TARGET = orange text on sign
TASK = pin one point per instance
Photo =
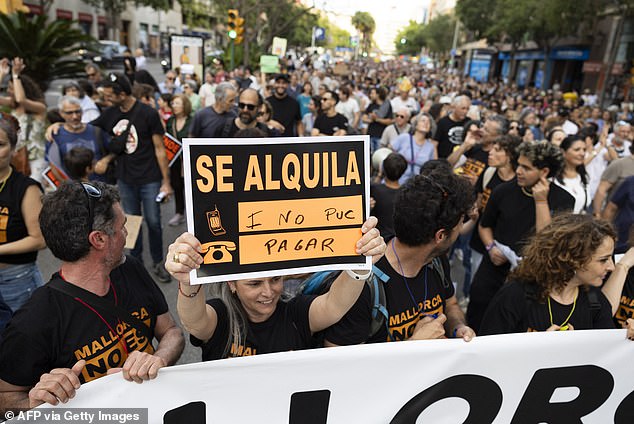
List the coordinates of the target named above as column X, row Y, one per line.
column 300, row 213
column 263, row 248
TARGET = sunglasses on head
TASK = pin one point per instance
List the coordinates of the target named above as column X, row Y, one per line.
column 248, row 106
column 92, row 195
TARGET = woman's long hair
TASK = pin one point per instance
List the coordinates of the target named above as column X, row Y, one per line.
column 566, row 144
column 558, row 251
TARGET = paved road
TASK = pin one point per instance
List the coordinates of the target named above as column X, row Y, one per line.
column 48, row 264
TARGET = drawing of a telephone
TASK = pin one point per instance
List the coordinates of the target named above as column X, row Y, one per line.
column 218, row 252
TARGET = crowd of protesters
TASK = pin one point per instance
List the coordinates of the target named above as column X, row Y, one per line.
column 532, row 189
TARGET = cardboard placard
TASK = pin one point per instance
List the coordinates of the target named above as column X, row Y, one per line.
column 269, row 64
column 133, row 226
column 54, row 176
column 276, row 206
column 173, row 148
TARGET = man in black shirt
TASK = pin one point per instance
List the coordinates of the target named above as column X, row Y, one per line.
column 285, row 108
column 516, row 210
column 101, row 311
column 248, row 105
column 420, row 299
column 450, row 128
column 383, row 195
column 208, row 120
column 329, row 122
column 142, row 169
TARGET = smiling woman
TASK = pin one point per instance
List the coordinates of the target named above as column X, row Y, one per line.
column 557, row 284
column 249, row 317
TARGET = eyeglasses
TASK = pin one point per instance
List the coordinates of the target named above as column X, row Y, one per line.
column 72, row 112
column 400, row 116
column 92, row 74
column 248, row 106
column 92, row 195
column 169, row 79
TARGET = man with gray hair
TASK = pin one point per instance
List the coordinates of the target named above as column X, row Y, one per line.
column 73, row 133
column 207, row 121
column 400, row 126
column 450, row 128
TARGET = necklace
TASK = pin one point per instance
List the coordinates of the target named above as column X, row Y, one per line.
column 564, row 325
column 526, row 192
column 6, row 179
column 411, row 295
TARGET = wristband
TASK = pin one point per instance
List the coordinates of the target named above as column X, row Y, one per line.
column 358, row 277
column 191, row 294
column 490, row 246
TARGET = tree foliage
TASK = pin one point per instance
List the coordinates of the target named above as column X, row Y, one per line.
column 365, row 24
column 437, row 36
column 47, row 48
column 477, row 16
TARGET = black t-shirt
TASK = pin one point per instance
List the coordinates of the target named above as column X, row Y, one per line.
column 404, row 309
column 287, row 329
column 626, row 304
column 286, row 111
column 448, row 135
column 138, row 164
column 511, row 213
column 330, row 124
column 53, row 330
column 12, row 225
column 207, row 122
column 476, row 163
column 229, row 128
column 495, row 181
column 384, row 208
column 513, row 311
column 383, row 110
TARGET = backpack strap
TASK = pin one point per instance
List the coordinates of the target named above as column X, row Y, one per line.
column 488, row 175
column 436, row 265
column 380, row 315
column 595, row 303
column 226, row 129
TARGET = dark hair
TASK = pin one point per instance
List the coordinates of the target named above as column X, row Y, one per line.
column 542, row 154
column 64, row 218
column 334, row 95
column 433, row 164
column 430, row 202
column 32, row 91
column 144, row 77
column 566, row 143
column 77, row 160
column 142, row 91
column 87, row 87
column 382, row 92
column 119, row 83
column 167, row 98
column 394, row 166
column 509, row 143
column 435, row 109
column 11, row 127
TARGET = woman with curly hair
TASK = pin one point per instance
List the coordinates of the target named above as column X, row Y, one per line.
column 557, row 284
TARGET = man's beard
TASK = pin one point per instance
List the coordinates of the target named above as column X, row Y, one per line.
column 246, row 118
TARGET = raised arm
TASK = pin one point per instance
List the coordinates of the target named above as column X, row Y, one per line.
column 330, row 307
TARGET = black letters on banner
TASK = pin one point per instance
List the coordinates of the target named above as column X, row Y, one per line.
column 594, row 383
column 625, row 412
column 309, row 407
column 483, row 395
column 192, row 413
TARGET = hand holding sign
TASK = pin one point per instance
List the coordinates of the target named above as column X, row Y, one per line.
column 371, row 244
column 183, row 256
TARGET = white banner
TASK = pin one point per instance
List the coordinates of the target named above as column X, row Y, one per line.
column 567, row 377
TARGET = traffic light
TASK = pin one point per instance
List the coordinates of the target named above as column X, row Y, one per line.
column 235, row 26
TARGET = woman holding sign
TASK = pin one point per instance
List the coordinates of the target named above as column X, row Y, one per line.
column 556, row 286
column 249, row 317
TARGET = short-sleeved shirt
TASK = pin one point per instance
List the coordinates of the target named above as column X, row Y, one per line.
column 138, row 164
column 511, row 213
column 329, row 125
column 286, row 111
column 408, row 300
column 287, row 329
column 448, row 134
column 617, row 172
column 53, row 330
column 511, row 312
column 415, row 154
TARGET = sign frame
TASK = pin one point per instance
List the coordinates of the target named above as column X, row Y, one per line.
column 323, row 263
